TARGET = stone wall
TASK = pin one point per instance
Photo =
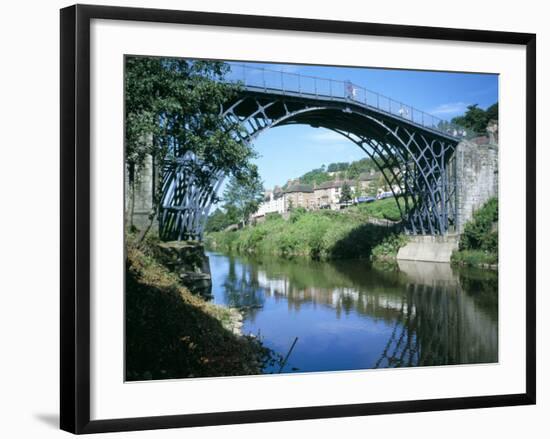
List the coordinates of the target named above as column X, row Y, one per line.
column 429, row 248
column 189, row 261
column 142, row 192
column 477, row 178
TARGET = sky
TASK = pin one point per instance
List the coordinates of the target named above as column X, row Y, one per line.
column 289, row 151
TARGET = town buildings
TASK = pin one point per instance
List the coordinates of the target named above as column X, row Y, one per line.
column 325, row 195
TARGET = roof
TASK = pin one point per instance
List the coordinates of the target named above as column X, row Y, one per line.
column 299, row 188
column 368, row 176
column 335, row 183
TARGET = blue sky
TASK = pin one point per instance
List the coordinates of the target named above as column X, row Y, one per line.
column 288, row 152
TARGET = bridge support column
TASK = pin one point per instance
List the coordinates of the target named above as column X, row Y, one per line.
column 477, row 178
column 139, row 194
column 429, row 248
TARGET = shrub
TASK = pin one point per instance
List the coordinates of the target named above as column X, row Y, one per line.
column 478, row 233
column 389, row 247
column 474, row 258
column 317, row 235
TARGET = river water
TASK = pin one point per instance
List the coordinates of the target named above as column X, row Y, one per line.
column 349, row 315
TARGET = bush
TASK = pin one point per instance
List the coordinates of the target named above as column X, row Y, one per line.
column 389, row 247
column 171, row 333
column 317, row 235
column 474, row 258
column 296, row 214
column 478, row 233
column 381, row 209
column 479, row 242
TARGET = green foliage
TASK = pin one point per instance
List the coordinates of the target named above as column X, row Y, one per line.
column 345, row 194
column 382, row 182
column 171, row 333
column 354, row 170
column 172, row 106
column 221, row 219
column 244, row 195
column 479, row 242
column 479, row 233
column 382, row 209
column 492, row 112
column 474, row 258
column 335, row 167
column 273, row 216
column 389, row 247
column 477, row 119
column 317, row 176
column 297, row 213
column 347, row 170
column 314, row 234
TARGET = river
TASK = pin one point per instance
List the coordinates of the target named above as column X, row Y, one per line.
column 348, row 315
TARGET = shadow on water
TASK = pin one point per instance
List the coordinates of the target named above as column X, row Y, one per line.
column 351, row 315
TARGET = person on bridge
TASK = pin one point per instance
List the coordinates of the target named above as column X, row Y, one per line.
column 351, row 91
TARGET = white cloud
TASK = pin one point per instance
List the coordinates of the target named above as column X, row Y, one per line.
column 450, row 108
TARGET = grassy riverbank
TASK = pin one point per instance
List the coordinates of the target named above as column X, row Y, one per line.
column 171, row 333
column 324, row 234
column 478, row 246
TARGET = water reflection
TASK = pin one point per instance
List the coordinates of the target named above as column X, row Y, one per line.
column 349, row 315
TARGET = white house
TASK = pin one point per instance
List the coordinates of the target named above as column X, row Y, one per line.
column 273, row 202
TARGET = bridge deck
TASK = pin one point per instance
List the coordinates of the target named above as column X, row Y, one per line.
column 349, row 102
column 273, row 82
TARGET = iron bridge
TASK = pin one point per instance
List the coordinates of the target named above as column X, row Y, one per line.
column 413, row 150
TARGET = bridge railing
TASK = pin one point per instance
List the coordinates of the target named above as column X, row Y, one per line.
column 295, row 84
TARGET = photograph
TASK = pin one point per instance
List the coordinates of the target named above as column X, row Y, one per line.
column 296, row 218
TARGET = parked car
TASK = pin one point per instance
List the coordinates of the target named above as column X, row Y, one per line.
column 360, row 200
column 383, row 195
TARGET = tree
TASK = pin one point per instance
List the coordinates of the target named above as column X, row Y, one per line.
column 382, row 183
column 345, row 194
column 492, row 112
column 359, row 191
column 335, row 167
column 221, row 219
column 173, row 106
column 244, row 195
column 314, row 176
column 354, row 170
column 476, row 119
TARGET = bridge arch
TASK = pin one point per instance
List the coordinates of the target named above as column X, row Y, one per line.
column 412, row 158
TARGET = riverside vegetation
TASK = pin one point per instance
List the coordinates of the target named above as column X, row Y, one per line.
column 172, row 333
column 478, row 244
column 356, row 232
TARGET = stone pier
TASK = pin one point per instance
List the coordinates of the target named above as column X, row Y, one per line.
column 429, row 248
column 477, row 178
column 188, row 260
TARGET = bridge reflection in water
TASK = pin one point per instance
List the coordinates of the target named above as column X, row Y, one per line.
column 349, row 315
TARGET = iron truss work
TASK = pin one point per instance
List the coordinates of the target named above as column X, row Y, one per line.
column 188, row 191
column 417, row 163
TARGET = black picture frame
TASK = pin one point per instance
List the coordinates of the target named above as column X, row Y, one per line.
column 75, row 217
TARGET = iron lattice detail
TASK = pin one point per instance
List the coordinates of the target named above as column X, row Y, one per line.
column 416, row 162
column 188, row 191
